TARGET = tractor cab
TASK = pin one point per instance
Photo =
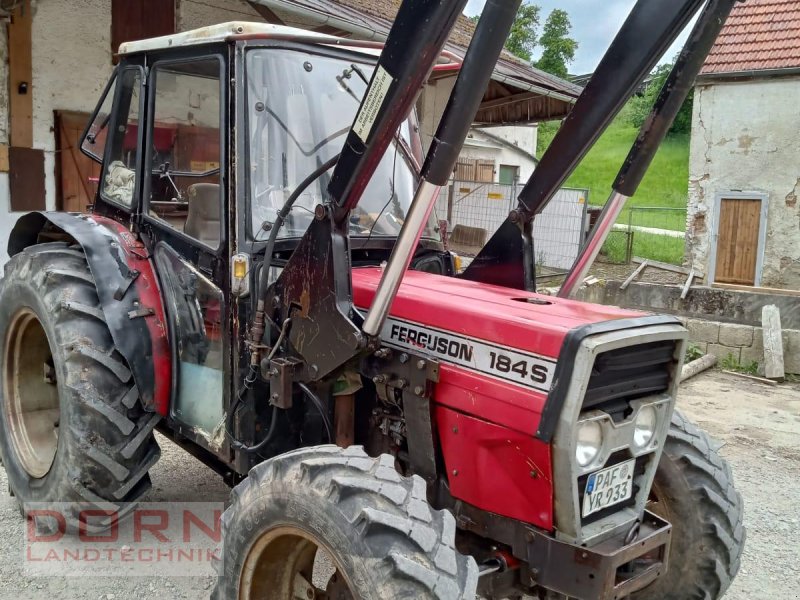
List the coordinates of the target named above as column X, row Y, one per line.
column 215, row 128
column 203, row 137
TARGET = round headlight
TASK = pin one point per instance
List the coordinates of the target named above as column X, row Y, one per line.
column 645, row 427
column 590, row 441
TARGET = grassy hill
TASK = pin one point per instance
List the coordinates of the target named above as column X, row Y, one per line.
column 665, row 185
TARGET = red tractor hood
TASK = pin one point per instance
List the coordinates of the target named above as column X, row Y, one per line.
column 506, row 317
column 497, row 349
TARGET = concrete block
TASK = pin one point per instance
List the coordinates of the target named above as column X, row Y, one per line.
column 722, row 352
column 735, row 335
column 791, row 351
column 755, row 352
column 703, row 331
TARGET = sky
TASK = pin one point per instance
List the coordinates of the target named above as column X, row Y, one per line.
column 594, row 25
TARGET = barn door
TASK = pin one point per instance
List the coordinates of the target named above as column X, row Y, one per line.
column 78, row 174
column 739, row 236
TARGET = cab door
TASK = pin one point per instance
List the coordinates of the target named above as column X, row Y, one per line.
column 184, row 219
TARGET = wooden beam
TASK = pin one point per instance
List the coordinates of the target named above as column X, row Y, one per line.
column 750, row 288
column 497, row 102
column 634, row 275
column 773, row 342
column 3, row 158
column 697, row 366
column 668, row 267
column 267, row 13
column 687, row 285
column 20, row 76
column 751, row 377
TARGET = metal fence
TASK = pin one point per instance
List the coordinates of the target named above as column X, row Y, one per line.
column 475, row 210
column 654, row 233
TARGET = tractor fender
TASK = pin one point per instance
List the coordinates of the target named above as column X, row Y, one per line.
column 128, row 290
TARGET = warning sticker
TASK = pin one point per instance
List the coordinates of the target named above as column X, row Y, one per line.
column 373, row 103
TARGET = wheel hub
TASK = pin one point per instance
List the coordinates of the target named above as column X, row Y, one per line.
column 30, row 394
column 287, row 563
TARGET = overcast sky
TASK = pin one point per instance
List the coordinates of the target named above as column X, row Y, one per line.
column 594, row 25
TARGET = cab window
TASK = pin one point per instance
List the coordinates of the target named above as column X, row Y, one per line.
column 118, row 180
column 185, row 149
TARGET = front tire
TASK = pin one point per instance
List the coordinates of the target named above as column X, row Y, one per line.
column 71, row 427
column 693, row 490
column 373, row 525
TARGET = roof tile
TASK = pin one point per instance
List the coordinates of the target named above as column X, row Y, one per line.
column 760, row 35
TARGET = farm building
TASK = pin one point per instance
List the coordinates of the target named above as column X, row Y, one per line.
column 744, row 214
column 57, row 55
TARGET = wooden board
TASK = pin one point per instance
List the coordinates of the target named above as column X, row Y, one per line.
column 4, row 158
column 773, row 342
column 762, row 290
column 77, row 173
column 131, row 21
column 26, row 179
column 20, row 76
column 737, row 244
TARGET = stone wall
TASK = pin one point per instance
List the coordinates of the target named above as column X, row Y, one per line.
column 744, row 343
column 720, row 321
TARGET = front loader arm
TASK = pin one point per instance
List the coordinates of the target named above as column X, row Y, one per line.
column 507, row 259
column 315, row 289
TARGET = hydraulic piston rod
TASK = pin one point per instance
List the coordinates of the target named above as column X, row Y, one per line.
column 484, row 50
column 651, row 27
column 672, row 96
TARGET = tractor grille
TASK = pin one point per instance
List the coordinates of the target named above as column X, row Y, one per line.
column 625, row 374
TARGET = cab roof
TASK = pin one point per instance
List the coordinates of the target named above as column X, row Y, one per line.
column 224, row 31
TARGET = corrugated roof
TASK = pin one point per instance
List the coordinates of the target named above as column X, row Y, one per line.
column 519, row 92
column 760, row 35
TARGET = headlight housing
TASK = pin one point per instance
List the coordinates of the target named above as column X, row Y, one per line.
column 589, row 442
column 645, row 427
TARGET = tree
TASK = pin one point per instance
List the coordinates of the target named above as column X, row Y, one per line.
column 558, row 48
column 522, row 40
column 641, row 105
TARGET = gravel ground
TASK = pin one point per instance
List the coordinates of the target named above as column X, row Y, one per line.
column 758, row 426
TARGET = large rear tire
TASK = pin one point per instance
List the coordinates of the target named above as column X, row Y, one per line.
column 693, row 490
column 71, row 427
column 372, row 525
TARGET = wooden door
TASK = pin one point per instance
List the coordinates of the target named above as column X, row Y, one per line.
column 78, row 174
column 475, row 170
column 737, row 242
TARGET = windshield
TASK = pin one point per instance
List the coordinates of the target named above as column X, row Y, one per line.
column 300, row 107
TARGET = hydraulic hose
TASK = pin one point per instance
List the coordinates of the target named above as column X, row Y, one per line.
column 280, row 219
column 248, row 382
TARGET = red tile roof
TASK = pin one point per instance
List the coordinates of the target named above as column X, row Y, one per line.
column 759, row 35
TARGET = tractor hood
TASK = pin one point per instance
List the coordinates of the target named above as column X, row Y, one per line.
column 499, row 348
column 509, row 318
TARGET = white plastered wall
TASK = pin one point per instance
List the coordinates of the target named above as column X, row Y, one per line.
column 479, row 146
column 745, row 138
column 6, row 219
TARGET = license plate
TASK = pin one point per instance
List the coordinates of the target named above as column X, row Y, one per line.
column 608, row 487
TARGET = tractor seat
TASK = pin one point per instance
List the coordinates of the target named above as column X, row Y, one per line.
column 203, row 221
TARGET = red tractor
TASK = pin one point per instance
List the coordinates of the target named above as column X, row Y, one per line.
column 261, row 280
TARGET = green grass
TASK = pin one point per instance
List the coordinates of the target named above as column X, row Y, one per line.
column 664, row 186
column 655, row 247
column 666, row 183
